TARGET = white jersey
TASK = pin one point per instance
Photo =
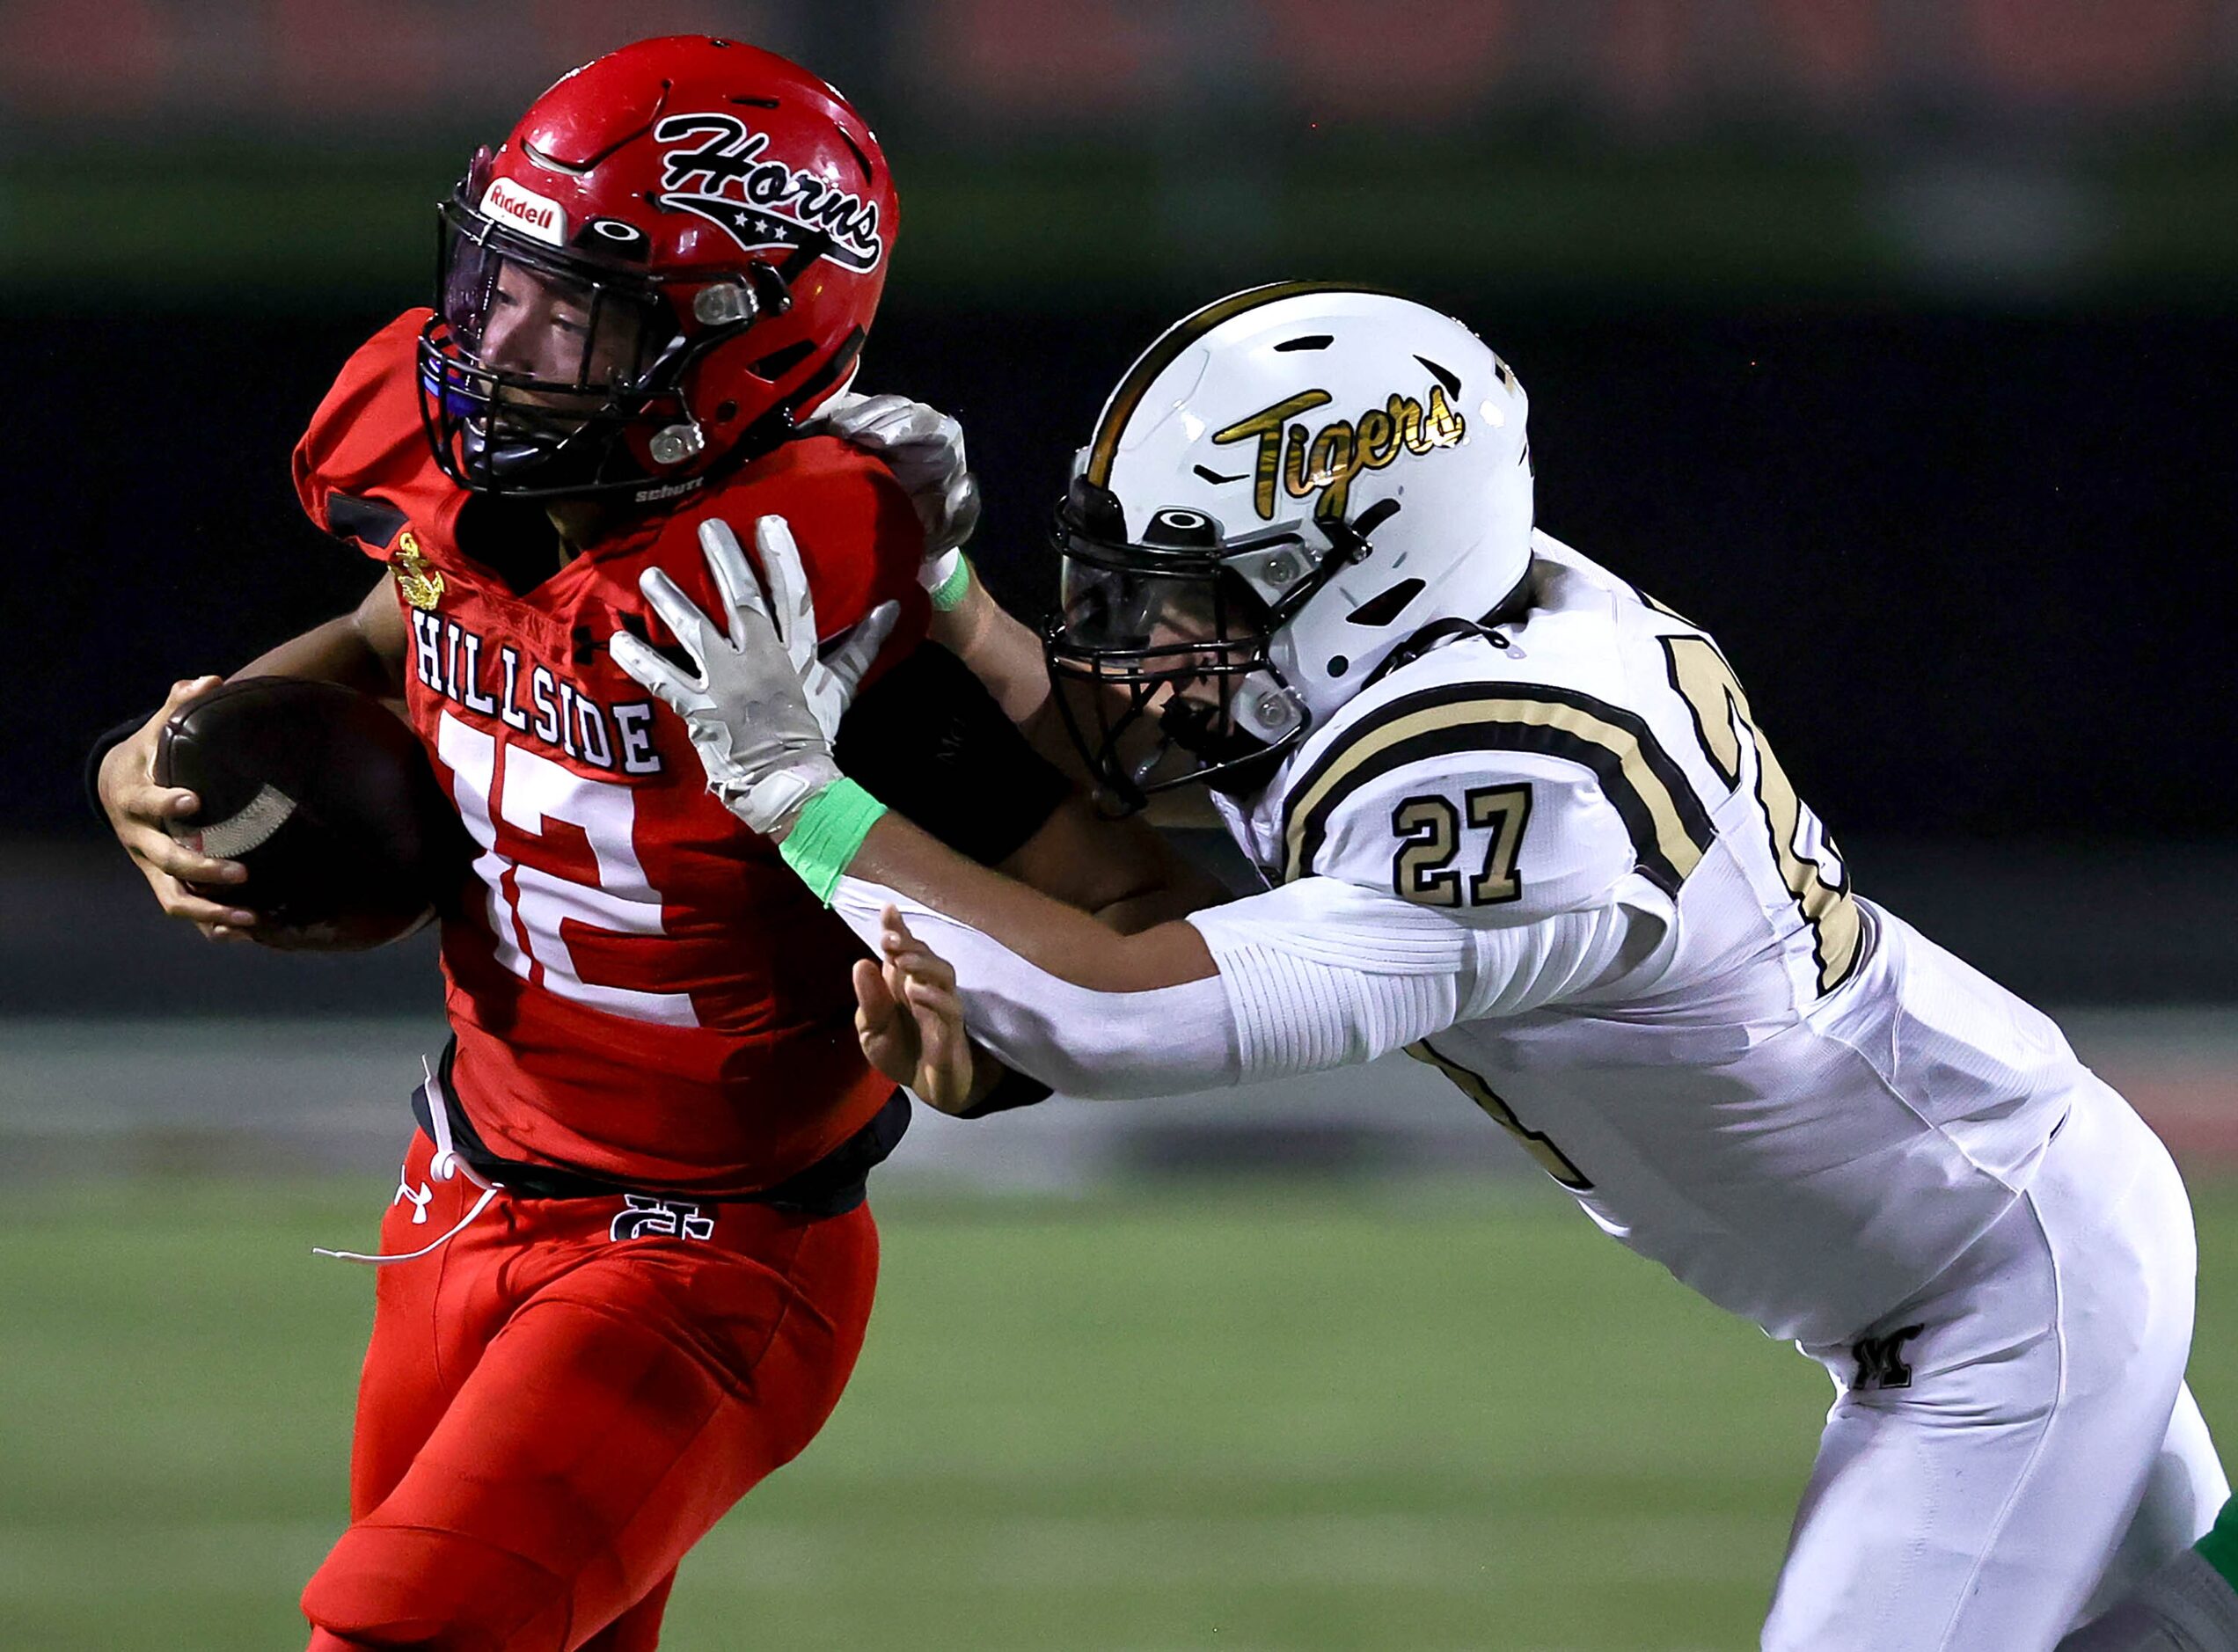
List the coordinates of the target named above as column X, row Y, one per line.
column 1560, row 861
column 1796, row 1102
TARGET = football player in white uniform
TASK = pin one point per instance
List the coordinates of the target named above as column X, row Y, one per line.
column 1520, row 819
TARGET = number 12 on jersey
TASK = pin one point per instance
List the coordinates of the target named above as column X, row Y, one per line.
column 532, row 792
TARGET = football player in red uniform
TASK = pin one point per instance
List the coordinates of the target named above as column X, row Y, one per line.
column 627, row 1269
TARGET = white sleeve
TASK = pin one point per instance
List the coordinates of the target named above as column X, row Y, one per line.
column 1316, row 975
column 1321, row 973
column 1077, row 1040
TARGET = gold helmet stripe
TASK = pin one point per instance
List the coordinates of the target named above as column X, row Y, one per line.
column 1170, row 344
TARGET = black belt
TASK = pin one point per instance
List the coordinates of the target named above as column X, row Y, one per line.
column 833, row 1186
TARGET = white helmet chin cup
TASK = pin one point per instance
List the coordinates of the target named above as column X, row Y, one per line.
column 1272, row 572
column 1264, row 707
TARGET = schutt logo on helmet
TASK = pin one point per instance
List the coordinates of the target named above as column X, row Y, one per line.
column 762, row 204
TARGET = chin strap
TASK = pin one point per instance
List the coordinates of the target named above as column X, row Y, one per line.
column 1439, row 633
column 1429, row 639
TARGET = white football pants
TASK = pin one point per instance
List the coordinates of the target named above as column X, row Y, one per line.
column 2014, row 1447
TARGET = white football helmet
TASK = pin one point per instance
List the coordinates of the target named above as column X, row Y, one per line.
column 1285, row 489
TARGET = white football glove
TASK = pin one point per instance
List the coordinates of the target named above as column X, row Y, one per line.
column 762, row 709
column 924, row 447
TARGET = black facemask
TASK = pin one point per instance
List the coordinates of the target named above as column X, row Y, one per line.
column 1165, row 644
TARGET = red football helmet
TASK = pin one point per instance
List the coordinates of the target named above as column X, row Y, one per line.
column 675, row 256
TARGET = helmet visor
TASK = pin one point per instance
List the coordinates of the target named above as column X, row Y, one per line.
column 537, row 361
column 533, row 322
column 1147, row 666
column 1109, row 608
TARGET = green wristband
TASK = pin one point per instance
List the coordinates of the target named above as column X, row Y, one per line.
column 2220, row 1547
column 830, row 828
column 953, row 589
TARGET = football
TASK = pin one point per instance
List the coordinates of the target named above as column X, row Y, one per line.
column 326, row 797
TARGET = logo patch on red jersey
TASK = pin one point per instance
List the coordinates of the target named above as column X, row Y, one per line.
column 421, row 585
column 643, row 1217
column 525, row 210
column 725, row 179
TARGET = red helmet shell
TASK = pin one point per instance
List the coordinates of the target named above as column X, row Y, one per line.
column 689, row 160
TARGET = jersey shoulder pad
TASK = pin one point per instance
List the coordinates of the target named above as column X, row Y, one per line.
column 1503, row 799
column 860, row 538
column 365, row 456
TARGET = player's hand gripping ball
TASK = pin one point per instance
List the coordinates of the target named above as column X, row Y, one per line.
column 326, row 799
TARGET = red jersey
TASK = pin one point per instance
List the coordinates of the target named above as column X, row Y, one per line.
column 640, row 987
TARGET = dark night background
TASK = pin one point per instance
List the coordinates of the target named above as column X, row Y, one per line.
column 1893, row 345
column 1971, row 567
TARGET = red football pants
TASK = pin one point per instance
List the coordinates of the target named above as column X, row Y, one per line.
column 561, row 1400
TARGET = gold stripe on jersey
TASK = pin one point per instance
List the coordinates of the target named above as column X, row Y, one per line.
column 1670, row 829
column 1700, row 673
column 1551, row 1159
column 1713, row 694
column 1663, row 607
column 1105, row 446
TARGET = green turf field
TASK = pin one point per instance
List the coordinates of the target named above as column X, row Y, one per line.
column 1227, row 1418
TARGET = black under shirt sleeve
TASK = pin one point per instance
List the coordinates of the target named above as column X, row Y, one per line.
column 928, row 739
column 108, row 741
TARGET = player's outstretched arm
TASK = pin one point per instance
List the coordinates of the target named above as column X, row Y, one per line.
column 1317, row 974
column 1312, row 975
column 929, row 735
column 1121, row 873
column 761, row 709
column 1002, row 651
column 1066, row 943
column 364, row 649
column 924, row 449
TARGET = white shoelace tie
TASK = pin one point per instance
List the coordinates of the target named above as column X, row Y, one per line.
column 445, row 1166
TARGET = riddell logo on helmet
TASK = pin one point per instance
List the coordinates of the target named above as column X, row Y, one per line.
column 525, row 210
column 725, row 179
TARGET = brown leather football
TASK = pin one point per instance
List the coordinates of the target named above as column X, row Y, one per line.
column 326, row 798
